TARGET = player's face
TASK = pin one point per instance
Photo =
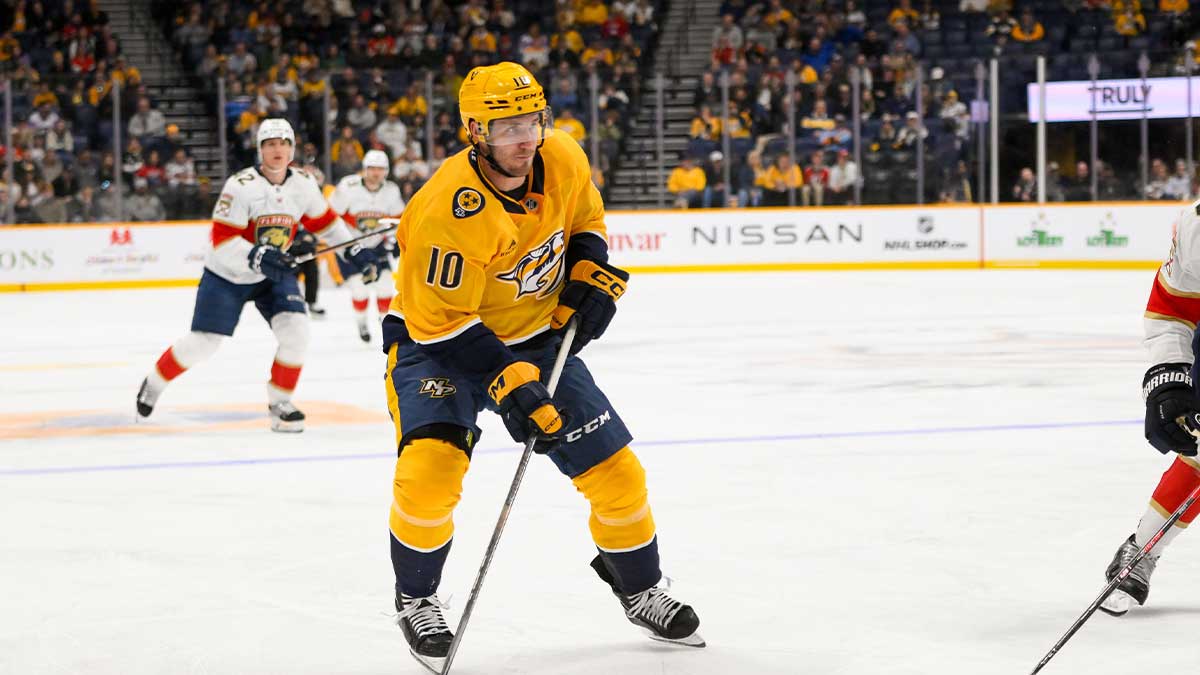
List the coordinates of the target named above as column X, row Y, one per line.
column 514, row 141
column 374, row 176
column 276, row 154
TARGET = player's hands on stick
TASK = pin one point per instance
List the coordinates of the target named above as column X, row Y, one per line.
column 1172, row 409
column 590, row 295
column 304, row 244
column 364, row 260
column 271, row 262
column 526, row 405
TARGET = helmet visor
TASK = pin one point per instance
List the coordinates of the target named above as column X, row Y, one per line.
column 528, row 128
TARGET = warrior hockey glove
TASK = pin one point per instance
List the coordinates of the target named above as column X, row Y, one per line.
column 591, row 295
column 271, row 262
column 525, row 404
column 1167, row 389
column 364, row 261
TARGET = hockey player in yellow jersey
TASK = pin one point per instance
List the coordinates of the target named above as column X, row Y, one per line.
column 498, row 251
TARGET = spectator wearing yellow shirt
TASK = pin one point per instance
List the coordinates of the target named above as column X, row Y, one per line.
column 904, row 14
column 346, row 154
column 705, row 125
column 597, row 51
column 687, row 183
column 283, row 64
column 44, row 95
column 1028, row 29
column 566, row 122
column 482, row 40
column 569, row 38
column 1129, row 21
column 411, row 103
column 125, row 74
column 777, row 14
column 1173, row 6
column 783, row 176
column 737, row 122
column 592, row 13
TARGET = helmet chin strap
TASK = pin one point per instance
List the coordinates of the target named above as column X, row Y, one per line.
column 495, row 165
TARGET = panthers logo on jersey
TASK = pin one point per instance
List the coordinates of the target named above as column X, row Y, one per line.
column 539, row 271
column 274, row 230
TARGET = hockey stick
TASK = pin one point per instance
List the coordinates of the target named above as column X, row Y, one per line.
column 1191, row 426
column 555, row 374
column 394, row 223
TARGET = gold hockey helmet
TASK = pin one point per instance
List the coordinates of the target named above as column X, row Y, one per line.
column 496, row 92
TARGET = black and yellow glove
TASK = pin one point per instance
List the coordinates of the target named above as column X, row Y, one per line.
column 525, row 404
column 591, row 296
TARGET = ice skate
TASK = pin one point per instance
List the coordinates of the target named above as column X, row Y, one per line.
column 147, row 396
column 1135, row 588
column 286, row 418
column 425, row 629
column 664, row 618
column 316, row 311
column 364, row 332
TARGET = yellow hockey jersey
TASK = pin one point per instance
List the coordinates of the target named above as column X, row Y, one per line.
column 470, row 253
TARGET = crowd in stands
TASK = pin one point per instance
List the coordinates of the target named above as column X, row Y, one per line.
column 759, row 45
column 62, row 61
column 385, row 74
column 371, row 72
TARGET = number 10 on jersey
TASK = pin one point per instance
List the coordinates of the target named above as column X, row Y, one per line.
column 445, row 270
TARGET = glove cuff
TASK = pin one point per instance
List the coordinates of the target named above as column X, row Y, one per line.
column 1172, row 375
column 607, row 278
column 513, row 376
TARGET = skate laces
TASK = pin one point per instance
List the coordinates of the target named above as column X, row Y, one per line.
column 654, row 605
column 1145, row 566
column 424, row 615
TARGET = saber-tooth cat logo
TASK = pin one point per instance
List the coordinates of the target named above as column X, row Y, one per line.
column 539, row 271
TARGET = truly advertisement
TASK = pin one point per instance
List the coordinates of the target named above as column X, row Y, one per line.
column 79, row 254
column 1075, row 100
column 793, row 237
column 1032, row 235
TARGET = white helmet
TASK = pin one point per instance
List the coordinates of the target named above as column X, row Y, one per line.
column 276, row 127
column 375, row 159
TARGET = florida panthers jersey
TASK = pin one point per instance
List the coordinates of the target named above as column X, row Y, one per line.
column 471, row 253
column 1174, row 307
column 362, row 208
column 251, row 210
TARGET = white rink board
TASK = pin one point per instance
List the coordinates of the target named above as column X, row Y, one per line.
column 114, row 252
column 1016, row 235
column 794, row 236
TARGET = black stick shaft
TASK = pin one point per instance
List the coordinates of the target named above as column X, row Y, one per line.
column 559, row 362
column 349, row 242
column 1116, row 581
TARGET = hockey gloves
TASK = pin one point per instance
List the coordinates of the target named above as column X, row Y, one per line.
column 1170, row 404
column 591, row 295
column 271, row 262
column 304, row 244
column 525, row 404
column 364, row 261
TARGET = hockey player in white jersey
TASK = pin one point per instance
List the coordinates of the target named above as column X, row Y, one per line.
column 362, row 200
column 253, row 224
column 1172, row 406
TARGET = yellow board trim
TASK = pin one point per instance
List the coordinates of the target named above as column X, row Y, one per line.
column 98, row 285
column 1073, row 264
column 805, row 267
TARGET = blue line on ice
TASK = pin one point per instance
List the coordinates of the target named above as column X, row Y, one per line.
column 202, row 464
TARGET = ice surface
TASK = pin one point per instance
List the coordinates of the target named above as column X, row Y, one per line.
column 861, row 473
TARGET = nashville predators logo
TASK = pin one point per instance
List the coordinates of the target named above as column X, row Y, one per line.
column 437, row 387
column 467, row 202
column 273, row 230
column 540, row 270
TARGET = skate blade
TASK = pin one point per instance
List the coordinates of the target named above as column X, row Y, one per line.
column 433, row 663
column 287, row 427
column 693, row 640
column 1117, row 604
